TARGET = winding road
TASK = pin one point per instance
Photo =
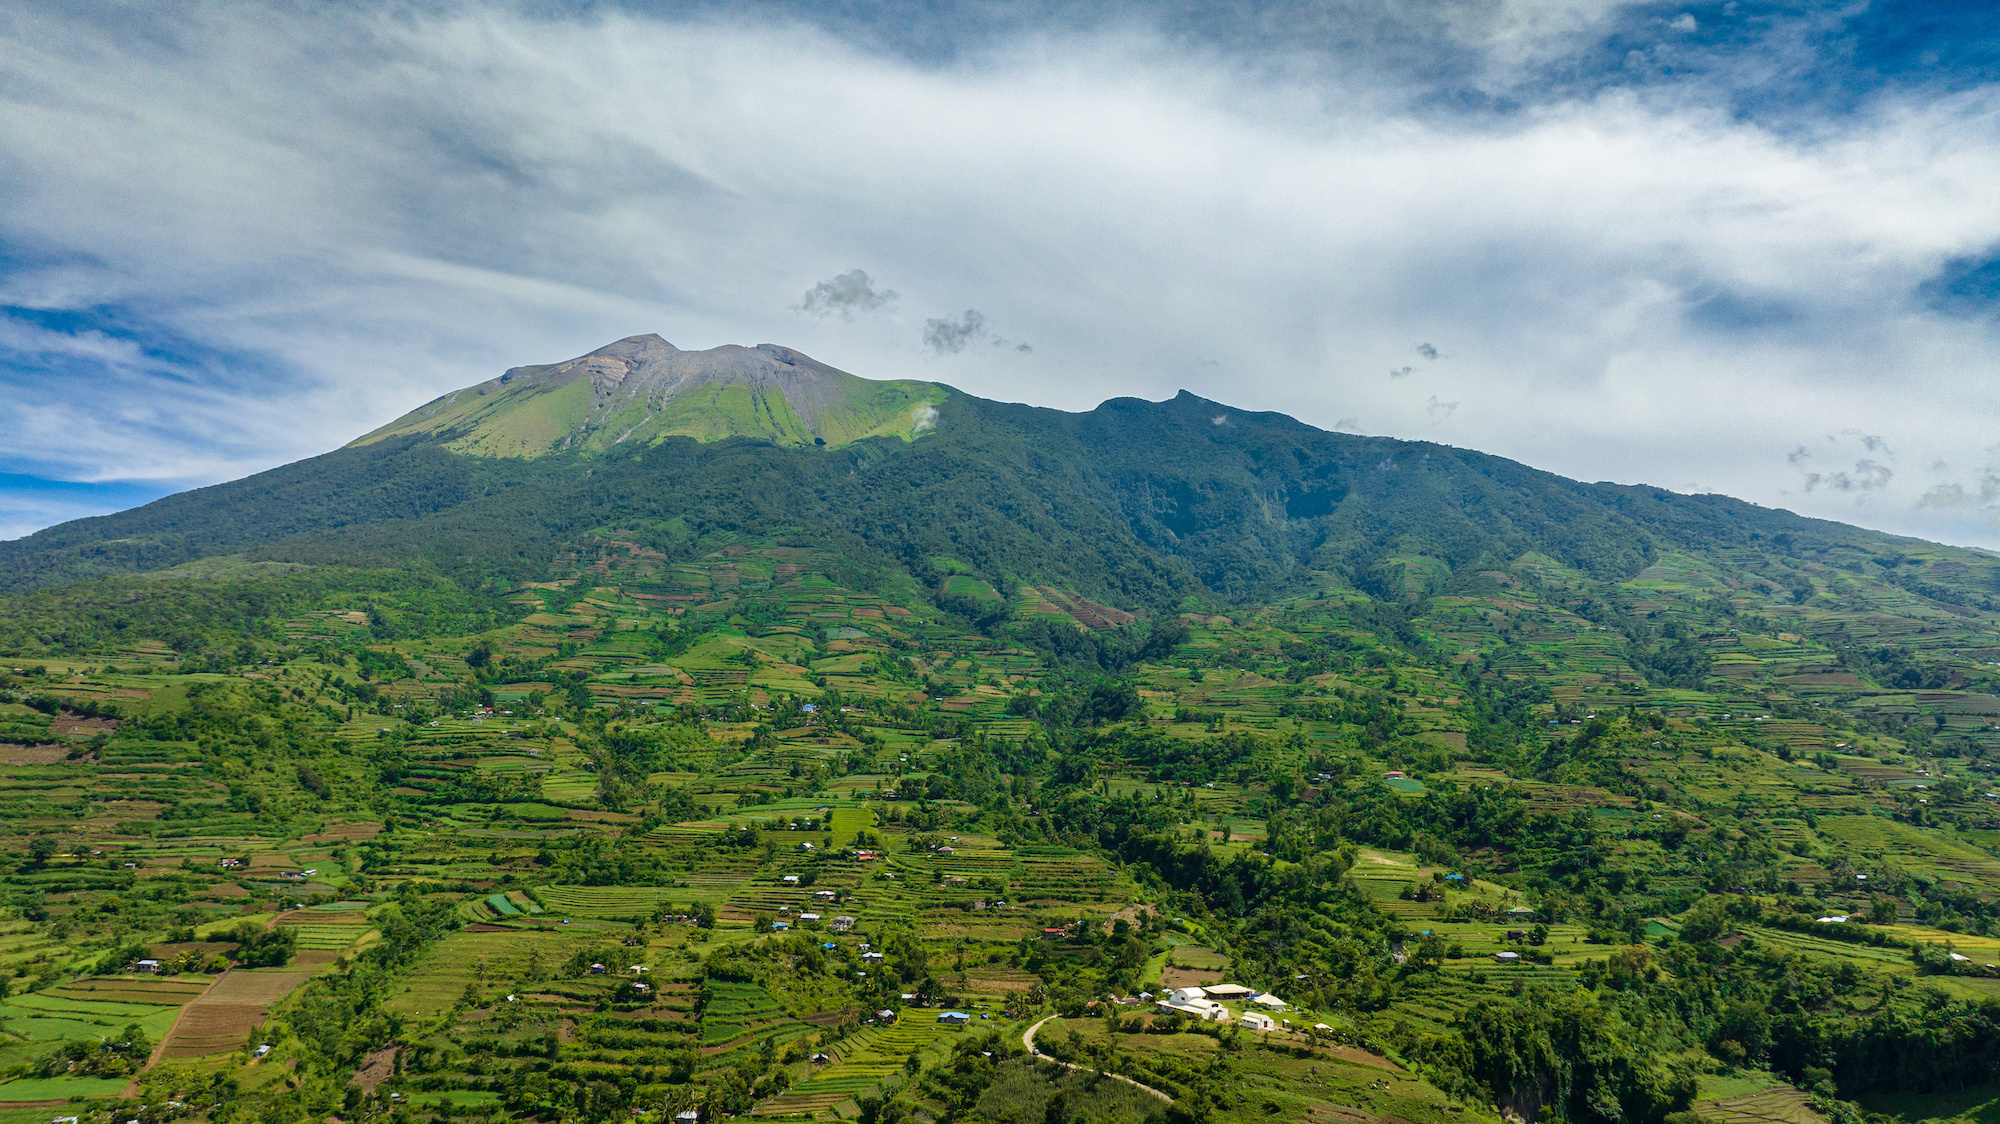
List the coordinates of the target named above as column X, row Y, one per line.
column 1028, row 1040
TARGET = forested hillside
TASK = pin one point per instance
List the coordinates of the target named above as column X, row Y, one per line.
column 915, row 777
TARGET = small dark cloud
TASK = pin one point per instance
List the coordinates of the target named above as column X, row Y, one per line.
column 1984, row 494
column 1023, row 348
column 847, row 294
column 1439, row 409
column 1427, row 351
column 1347, row 425
column 1866, row 476
column 1798, row 456
column 949, row 335
column 1874, row 443
column 1402, row 372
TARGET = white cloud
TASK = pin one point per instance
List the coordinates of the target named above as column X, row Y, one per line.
column 373, row 209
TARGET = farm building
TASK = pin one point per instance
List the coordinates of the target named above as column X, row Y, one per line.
column 954, row 1018
column 1507, row 957
column 1229, row 991
column 1270, row 1002
column 1257, row 1020
column 1207, row 1010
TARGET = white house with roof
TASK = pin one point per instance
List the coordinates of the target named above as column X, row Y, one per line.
column 1257, row 1020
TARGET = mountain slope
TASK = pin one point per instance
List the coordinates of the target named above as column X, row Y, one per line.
column 642, row 390
column 1136, row 504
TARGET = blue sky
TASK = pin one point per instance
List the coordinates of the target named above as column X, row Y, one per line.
column 1734, row 247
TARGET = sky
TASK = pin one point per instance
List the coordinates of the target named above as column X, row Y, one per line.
column 1728, row 247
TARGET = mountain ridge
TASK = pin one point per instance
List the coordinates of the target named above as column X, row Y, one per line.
column 1135, row 504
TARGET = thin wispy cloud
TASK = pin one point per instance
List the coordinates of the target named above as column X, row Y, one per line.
column 1654, row 252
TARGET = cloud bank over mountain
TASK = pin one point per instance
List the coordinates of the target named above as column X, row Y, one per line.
column 1672, row 244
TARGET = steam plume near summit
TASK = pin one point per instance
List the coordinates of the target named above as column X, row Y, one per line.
column 1649, row 248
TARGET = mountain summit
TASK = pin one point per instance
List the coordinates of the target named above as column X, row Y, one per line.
column 1135, row 505
column 642, row 389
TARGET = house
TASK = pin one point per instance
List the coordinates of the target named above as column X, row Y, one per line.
column 871, row 956
column 807, row 918
column 781, row 926
column 1835, row 919
column 1229, row 991
column 687, row 1116
column 842, row 923
column 886, row 1015
column 642, row 988
column 1393, row 775
column 954, row 1018
column 1257, row 1020
column 1186, row 994
column 231, row 864
column 597, row 969
column 824, row 895
column 1520, row 911
column 1268, row 1002
column 1507, row 957
column 638, row 969
column 1517, row 934
column 806, row 847
column 1207, row 1010
column 791, row 879
column 148, row 966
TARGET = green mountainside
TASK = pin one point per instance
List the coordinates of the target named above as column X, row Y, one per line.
column 561, row 754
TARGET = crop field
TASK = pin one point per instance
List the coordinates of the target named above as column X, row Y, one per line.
column 222, row 1019
column 30, row 1021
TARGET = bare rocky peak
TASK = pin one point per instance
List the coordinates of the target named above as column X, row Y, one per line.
column 650, row 367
